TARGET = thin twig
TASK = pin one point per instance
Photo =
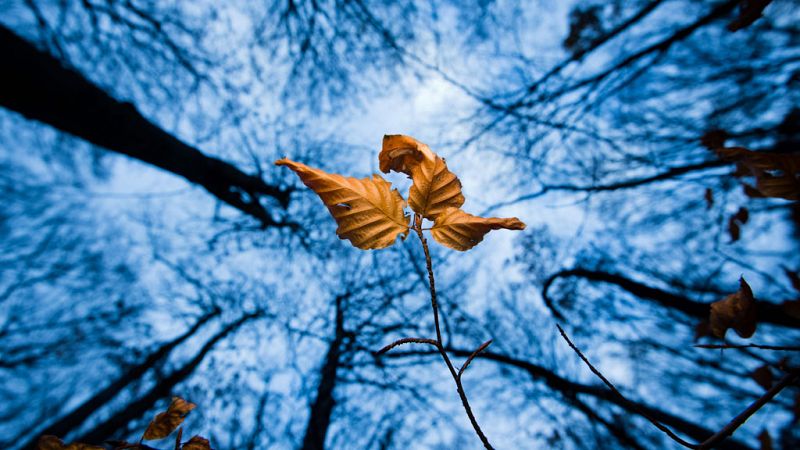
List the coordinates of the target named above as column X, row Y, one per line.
column 440, row 346
column 761, row 346
column 438, row 341
column 792, row 377
column 408, row 340
column 630, row 404
column 472, row 356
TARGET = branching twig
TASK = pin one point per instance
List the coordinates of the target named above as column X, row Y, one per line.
column 791, row 377
column 438, row 342
column 472, row 356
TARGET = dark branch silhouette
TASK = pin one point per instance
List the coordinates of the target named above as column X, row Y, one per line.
column 715, row 440
column 571, row 389
column 39, row 87
column 163, row 387
column 319, row 419
column 78, row 416
column 767, row 312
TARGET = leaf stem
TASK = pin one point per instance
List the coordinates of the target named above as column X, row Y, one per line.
column 439, row 345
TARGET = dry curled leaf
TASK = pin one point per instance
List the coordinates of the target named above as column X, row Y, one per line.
column 368, row 211
column 401, row 153
column 759, row 160
column 777, row 175
column 461, row 231
column 197, row 443
column 48, row 442
column 166, row 422
column 737, row 311
column 124, row 445
column 435, row 188
column 787, row 186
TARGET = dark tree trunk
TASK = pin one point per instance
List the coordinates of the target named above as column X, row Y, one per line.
column 36, row 85
column 162, row 389
column 320, row 417
column 78, row 416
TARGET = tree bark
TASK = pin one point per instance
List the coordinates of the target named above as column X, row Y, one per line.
column 767, row 312
column 36, row 85
column 319, row 419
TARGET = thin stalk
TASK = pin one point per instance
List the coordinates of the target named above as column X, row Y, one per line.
column 791, row 377
column 439, row 345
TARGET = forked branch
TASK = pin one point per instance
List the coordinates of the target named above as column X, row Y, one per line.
column 791, row 377
column 417, row 227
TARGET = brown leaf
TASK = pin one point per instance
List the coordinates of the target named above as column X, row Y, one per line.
column 122, row 445
column 737, row 311
column 197, row 443
column 777, row 174
column 48, row 442
column 401, row 153
column 758, row 160
column 749, row 12
column 368, row 211
column 763, row 376
column 165, row 423
column 461, row 231
column 765, row 440
column 787, row 187
column 435, row 188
